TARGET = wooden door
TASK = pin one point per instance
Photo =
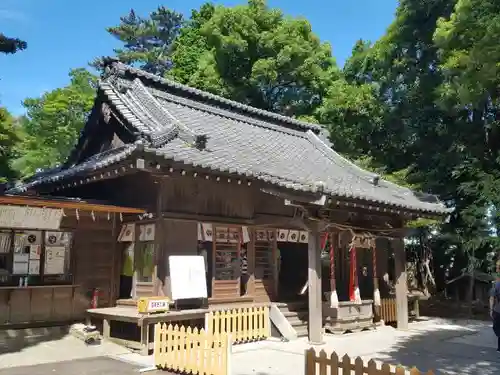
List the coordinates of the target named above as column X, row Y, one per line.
column 226, row 266
column 265, row 269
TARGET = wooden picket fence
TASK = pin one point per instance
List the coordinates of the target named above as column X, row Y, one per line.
column 243, row 324
column 323, row 364
column 191, row 351
column 388, row 310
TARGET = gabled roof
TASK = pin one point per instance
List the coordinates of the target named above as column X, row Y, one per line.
column 200, row 129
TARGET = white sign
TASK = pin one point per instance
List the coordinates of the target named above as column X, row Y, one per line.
column 127, row 233
column 54, row 260
column 19, row 268
column 187, row 276
column 34, row 267
column 147, row 232
column 157, row 305
column 30, row 217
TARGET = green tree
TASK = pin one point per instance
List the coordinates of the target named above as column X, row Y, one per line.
column 11, row 45
column 190, row 45
column 147, row 42
column 53, row 122
column 9, row 138
column 393, row 112
column 469, row 51
column 255, row 55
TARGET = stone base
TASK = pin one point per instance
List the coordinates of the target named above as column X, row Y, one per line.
column 79, row 331
column 348, row 317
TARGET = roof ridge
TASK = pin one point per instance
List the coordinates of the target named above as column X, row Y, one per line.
column 115, row 67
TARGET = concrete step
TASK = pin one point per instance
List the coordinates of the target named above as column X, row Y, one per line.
column 292, row 314
column 296, row 322
column 286, row 309
column 302, row 331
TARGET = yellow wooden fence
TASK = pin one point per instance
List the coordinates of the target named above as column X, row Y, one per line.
column 242, row 324
column 323, row 364
column 191, row 351
column 388, row 310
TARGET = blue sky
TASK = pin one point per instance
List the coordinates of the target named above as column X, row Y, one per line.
column 65, row 34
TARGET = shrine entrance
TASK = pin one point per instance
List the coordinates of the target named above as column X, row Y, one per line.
column 292, row 270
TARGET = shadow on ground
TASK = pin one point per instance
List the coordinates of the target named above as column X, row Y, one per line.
column 15, row 340
column 465, row 348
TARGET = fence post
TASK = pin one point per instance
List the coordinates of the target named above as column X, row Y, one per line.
column 157, row 344
column 267, row 322
column 229, row 352
column 310, row 362
column 207, row 321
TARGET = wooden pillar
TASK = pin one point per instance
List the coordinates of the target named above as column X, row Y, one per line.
column 251, row 262
column 157, row 268
column 314, row 285
column 401, row 283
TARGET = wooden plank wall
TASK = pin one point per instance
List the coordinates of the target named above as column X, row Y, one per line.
column 179, row 238
column 207, row 197
column 265, row 273
column 94, row 254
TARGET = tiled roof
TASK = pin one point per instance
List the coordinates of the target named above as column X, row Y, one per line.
column 238, row 139
column 94, row 163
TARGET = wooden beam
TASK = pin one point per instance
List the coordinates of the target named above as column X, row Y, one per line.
column 314, row 285
column 276, row 221
column 54, row 203
column 206, row 218
column 401, row 283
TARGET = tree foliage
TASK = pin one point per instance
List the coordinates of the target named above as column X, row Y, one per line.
column 147, row 42
column 9, row 137
column 53, row 122
column 11, row 45
column 257, row 56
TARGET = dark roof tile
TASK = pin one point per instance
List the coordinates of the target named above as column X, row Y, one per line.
column 239, row 140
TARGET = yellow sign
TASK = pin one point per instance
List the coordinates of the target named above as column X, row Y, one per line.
column 148, row 305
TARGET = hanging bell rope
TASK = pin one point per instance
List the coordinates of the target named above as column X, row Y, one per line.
column 334, row 298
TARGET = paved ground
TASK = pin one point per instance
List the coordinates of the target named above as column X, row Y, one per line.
column 445, row 346
column 39, row 346
column 89, row 366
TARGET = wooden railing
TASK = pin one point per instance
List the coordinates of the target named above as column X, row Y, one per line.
column 191, row 351
column 388, row 310
column 324, row 364
column 243, row 324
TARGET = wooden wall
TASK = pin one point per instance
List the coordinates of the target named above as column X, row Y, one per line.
column 93, row 256
column 207, row 197
column 177, row 238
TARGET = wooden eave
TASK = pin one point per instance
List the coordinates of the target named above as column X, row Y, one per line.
column 66, row 204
